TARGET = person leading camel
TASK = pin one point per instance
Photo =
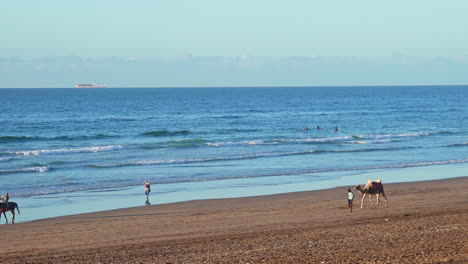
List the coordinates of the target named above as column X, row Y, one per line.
column 350, row 200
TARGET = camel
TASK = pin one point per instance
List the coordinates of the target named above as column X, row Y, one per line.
column 371, row 188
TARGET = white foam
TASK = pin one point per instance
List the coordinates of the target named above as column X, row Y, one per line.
column 390, row 135
column 30, row 169
column 199, row 160
column 3, row 159
column 370, row 141
column 237, row 143
column 69, row 150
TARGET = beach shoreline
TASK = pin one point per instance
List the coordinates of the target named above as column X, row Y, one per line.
column 72, row 203
column 424, row 223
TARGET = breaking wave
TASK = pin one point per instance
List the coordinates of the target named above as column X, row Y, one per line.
column 239, row 143
column 391, row 135
column 68, row 150
column 5, row 159
column 354, row 138
column 234, row 157
column 377, row 141
column 29, row 169
column 132, row 182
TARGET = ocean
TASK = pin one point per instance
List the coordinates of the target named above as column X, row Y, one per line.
column 67, row 151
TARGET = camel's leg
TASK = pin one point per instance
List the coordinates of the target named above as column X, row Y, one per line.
column 378, row 196
column 370, row 199
column 362, row 200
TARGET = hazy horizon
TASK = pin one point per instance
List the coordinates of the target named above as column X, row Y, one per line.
column 208, row 43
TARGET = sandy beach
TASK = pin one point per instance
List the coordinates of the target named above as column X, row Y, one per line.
column 425, row 222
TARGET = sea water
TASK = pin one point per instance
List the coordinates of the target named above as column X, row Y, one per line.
column 68, row 151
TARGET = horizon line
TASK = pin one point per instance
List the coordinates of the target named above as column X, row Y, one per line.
column 253, row 86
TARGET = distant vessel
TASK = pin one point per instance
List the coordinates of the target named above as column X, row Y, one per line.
column 90, row 85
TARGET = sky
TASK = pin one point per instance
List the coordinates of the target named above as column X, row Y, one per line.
column 212, row 43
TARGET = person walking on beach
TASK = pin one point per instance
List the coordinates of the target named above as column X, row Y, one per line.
column 147, row 189
column 350, row 200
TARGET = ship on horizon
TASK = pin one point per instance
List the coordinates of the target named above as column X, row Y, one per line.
column 90, row 85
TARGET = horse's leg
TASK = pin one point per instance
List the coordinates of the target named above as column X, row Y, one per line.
column 385, row 198
column 13, row 218
column 362, row 200
column 6, row 219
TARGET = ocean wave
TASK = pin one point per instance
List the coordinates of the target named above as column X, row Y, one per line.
column 5, row 159
column 201, row 160
column 28, row 169
column 88, row 137
column 236, row 130
column 423, row 164
column 377, row 141
column 232, row 158
column 6, row 139
column 239, row 143
column 185, row 143
column 391, row 135
column 190, row 140
column 313, row 140
column 228, row 117
column 70, row 188
column 380, row 138
column 364, row 168
column 199, row 142
column 165, row 133
column 352, row 139
column 119, row 119
column 446, row 132
column 74, row 187
column 68, row 150
column 464, row 144
column 148, row 146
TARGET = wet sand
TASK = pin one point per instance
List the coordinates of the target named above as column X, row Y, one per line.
column 426, row 222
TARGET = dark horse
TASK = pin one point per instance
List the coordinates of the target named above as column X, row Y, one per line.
column 10, row 207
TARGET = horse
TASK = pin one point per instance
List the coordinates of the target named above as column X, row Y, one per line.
column 11, row 206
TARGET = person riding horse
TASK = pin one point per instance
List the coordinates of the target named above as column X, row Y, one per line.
column 8, row 206
column 5, row 198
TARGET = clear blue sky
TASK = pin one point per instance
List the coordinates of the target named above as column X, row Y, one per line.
column 57, row 43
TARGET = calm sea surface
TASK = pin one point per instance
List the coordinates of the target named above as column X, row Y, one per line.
column 55, row 141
